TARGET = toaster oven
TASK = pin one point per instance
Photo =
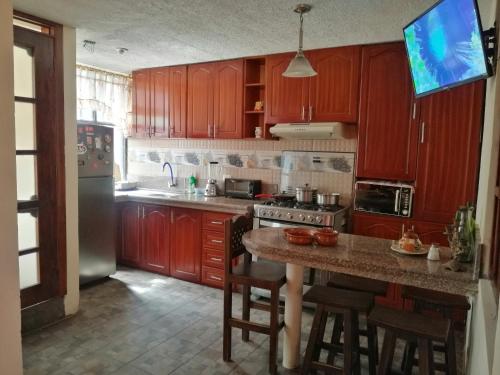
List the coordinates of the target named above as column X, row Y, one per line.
column 241, row 188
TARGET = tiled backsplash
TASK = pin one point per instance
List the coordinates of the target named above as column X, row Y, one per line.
column 253, row 159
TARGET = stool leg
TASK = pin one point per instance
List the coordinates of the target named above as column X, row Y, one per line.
column 356, row 346
column 451, row 356
column 338, row 326
column 425, row 356
column 372, row 339
column 245, row 314
column 387, row 353
column 321, row 335
column 409, row 357
column 226, row 341
column 273, row 337
column 313, row 337
column 348, row 342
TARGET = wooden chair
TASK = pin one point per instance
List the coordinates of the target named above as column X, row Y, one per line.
column 359, row 284
column 347, row 305
column 416, row 328
column 264, row 275
column 445, row 304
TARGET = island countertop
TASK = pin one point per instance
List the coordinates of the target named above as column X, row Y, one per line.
column 366, row 257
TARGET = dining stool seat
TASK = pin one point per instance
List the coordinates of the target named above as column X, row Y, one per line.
column 262, row 271
column 414, row 327
column 344, row 304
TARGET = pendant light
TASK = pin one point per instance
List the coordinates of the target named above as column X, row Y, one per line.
column 299, row 66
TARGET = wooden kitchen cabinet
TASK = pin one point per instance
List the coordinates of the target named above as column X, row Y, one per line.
column 334, row 92
column 159, row 102
column 388, row 115
column 177, row 101
column 215, row 100
column 430, row 232
column 140, row 104
column 448, row 152
column 185, row 244
column 380, row 226
column 155, row 238
column 130, row 251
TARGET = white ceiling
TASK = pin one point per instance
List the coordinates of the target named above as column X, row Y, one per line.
column 170, row 32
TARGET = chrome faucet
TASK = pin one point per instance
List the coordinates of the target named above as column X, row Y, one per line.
column 172, row 183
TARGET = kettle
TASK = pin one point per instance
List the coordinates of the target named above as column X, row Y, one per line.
column 211, row 187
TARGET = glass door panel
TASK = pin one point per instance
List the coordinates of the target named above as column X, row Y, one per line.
column 27, row 230
column 29, row 270
column 25, row 125
column 24, row 72
column 26, row 177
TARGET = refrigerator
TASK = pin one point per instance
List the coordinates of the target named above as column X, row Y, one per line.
column 96, row 201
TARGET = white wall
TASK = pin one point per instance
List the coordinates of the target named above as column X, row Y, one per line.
column 10, row 310
column 71, row 301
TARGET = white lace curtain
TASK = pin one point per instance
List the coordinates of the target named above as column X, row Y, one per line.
column 108, row 94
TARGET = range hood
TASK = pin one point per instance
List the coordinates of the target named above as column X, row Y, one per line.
column 317, row 130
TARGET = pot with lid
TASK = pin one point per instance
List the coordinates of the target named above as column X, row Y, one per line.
column 328, row 199
column 305, row 194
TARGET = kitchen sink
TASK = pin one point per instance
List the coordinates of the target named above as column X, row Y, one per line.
column 162, row 194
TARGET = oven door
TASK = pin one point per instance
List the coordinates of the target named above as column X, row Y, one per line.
column 262, row 223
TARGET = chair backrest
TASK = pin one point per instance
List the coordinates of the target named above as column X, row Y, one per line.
column 235, row 228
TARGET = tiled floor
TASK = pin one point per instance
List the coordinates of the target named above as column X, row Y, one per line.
column 140, row 323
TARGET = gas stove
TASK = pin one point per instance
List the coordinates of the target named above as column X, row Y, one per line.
column 296, row 213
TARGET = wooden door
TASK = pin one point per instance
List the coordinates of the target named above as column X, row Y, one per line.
column 286, row 98
column 228, row 100
column 448, row 155
column 130, row 253
column 495, row 241
column 185, row 244
column 377, row 226
column 388, row 129
column 200, row 116
column 155, row 238
column 334, row 92
column 430, row 232
column 140, row 104
column 178, row 101
column 159, row 102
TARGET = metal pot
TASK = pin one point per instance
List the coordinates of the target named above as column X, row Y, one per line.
column 328, row 199
column 304, row 194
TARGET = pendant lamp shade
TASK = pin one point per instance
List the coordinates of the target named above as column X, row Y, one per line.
column 300, row 66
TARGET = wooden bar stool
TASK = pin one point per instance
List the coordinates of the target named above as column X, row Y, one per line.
column 264, row 275
column 359, row 284
column 348, row 305
column 412, row 327
column 445, row 304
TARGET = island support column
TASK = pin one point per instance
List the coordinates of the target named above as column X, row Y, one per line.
column 293, row 315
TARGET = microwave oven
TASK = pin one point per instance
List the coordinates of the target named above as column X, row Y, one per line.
column 388, row 198
column 241, row 188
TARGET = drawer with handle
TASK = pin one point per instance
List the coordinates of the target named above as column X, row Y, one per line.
column 214, row 221
column 213, row 258
column 212, row 277
column 213, row 240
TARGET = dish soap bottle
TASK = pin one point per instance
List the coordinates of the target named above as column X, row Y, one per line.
column 191, row 184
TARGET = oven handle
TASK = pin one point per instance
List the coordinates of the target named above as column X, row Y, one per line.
column 397, row 201
column 273, row 224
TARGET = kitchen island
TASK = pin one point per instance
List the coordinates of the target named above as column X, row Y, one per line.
column 354, row 255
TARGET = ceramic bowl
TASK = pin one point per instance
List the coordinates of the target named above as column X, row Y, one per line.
column 298, row 236
column 326, row 236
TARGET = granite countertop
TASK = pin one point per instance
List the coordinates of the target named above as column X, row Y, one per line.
column 364, row 256
column 182, row 199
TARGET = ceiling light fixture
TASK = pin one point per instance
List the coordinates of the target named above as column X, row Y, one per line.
column 89, row 45
column 122, row 50
column 300, row 66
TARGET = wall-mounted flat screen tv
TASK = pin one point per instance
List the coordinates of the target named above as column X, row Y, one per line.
column 445, row 46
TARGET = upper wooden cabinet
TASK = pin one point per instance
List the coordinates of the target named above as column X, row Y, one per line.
column 332, row 95
column 388, row 127
column 215, row 100
column 448, row 153
column 159, row 102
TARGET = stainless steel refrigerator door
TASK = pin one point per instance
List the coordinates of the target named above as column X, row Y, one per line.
column 96, row 228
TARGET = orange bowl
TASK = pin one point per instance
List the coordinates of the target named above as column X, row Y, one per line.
column 326, row 236
column 298, row 236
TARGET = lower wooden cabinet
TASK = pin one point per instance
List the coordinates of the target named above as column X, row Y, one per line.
column 185, row 244
column 130, row 235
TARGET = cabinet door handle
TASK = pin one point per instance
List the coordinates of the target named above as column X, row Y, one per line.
column 216, row 259
column 171, row 217
column 303, row 114
column 138, row 212
column 216, row 278
column 216, row 222
column 217, row 241
column 422, row 133
column 216, row 130
column 414, row 110
column 143, row 213
column 310, row 113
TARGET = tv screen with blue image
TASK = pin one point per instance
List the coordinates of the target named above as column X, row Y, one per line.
column 445, row 46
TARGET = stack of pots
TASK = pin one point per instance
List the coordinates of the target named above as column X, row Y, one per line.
column 306, row 194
